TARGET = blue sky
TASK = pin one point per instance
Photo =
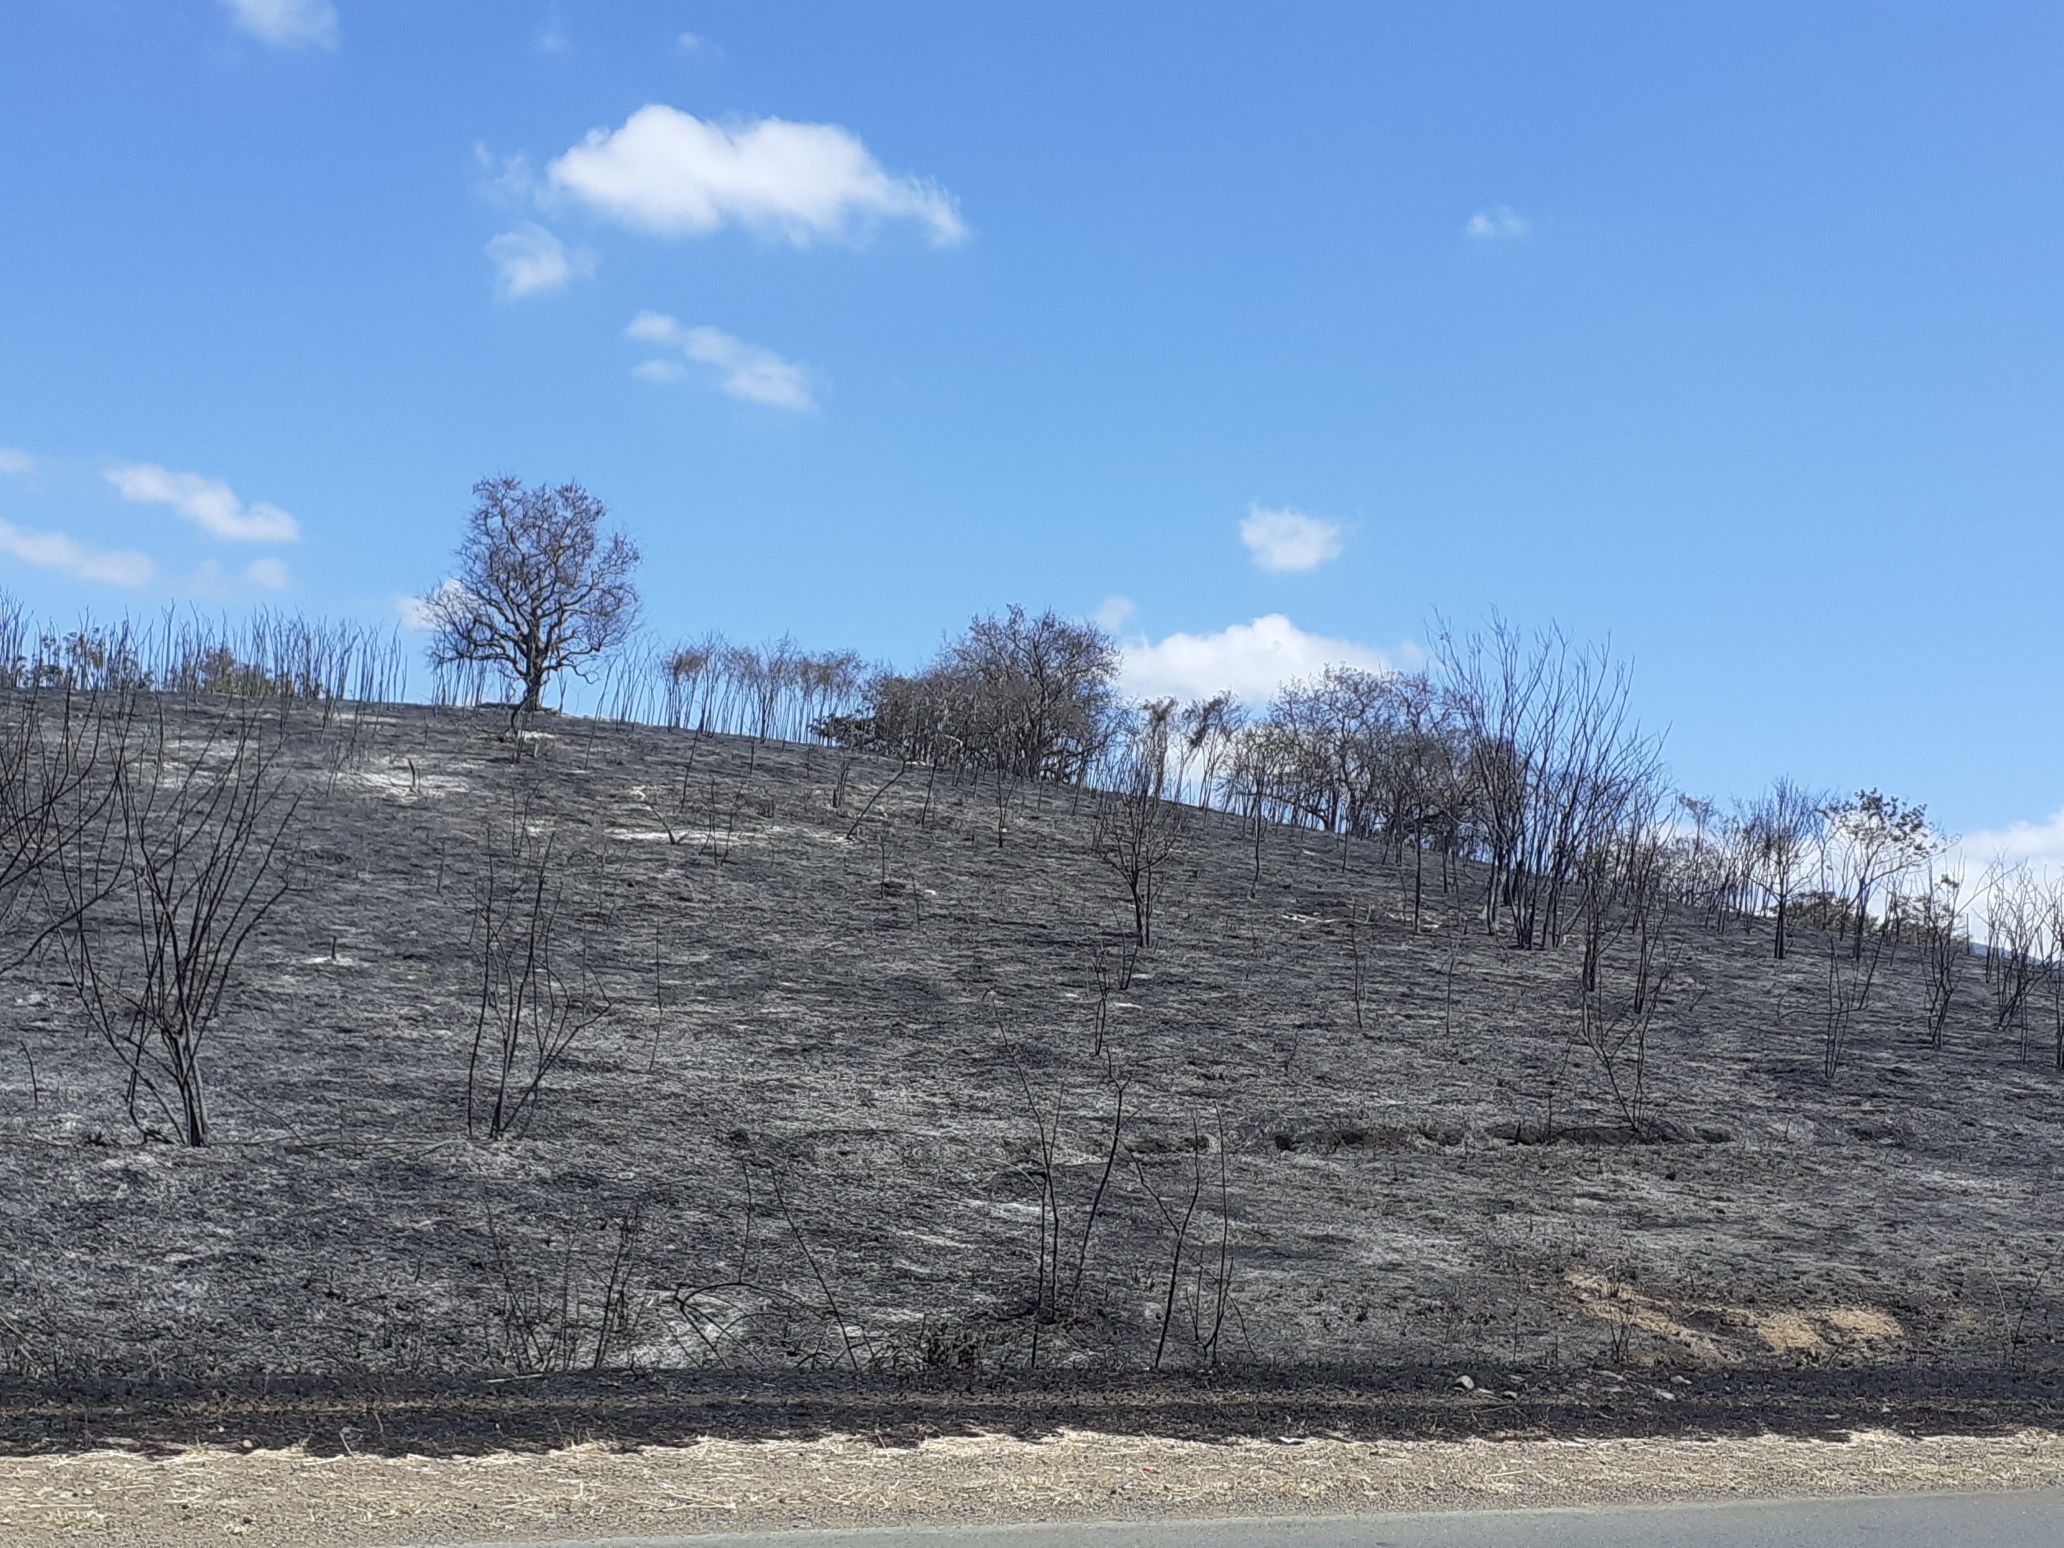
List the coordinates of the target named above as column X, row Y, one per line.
column 1729, row 331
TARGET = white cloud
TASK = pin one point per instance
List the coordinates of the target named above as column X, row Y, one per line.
column 552, row 38
column 1500, row 224
column 1114, row 613
column 530, row 261
column 68, row 556
column 206, row 502
column 415, row 612
column 672, row 173
column 691, row 42
column 1287, row 540
column 507, row 181
column 1252, row 659
column 655, row 328
column 267, row 574
column 286, row 23
column 2037, row 845
column 15, row 461
column 742, row 370
column 2021, row 851
column 750, row 372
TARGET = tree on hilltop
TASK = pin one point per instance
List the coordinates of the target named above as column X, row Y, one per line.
column 538, row 589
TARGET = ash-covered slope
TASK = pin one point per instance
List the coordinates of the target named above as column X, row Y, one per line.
column 831, row 1034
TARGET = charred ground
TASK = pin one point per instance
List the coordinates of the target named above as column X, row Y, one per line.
column 840, row 1103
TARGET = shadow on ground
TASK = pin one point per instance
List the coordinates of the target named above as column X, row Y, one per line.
column 460, row 1419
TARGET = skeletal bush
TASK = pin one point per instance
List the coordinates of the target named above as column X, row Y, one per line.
column 163, row 894
column 535, row 998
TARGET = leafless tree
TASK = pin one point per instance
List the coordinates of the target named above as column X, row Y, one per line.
column 1779, row 832
column 533, row 1003
column 1043, row 691
column 1886, row 838
column 538, row 587
column 1938, row 915
column 2056, row 913
column 1622, row 892
column 1020, row 697
column 1702, row 864
column 1262, row 770
column 1148, row 751
column 1205, row 729
column 1052, row 1302
column 1851, row 974
column 1136, row 833
column 2017, row 918
column 60, row 756
column 1425, row 776
column 1616, row 1030
column 1554, row 756
column 1218, row 1294
column 685, row 673
column 163, row 898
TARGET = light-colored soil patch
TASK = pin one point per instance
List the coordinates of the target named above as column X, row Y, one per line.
column 1622, row 1305
column 281, row 1497
column 1837, row 1328
column 1810, row 1331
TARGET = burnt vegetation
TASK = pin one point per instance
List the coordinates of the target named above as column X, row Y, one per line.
column 784, row 1014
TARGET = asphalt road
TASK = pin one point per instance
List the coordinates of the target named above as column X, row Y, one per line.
column 2029, row 1520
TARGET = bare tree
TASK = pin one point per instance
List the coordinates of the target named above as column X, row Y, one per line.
column 1886, row 838
column 60, row 753
column 1424, row 775
column 1137, row 833
column 2057, row 966
column 538, row 587
column 1207, row 729
column 2017, row 961
column 1261, row 768
column 1044, row 700
column 533, row 1005
column 1554, row 755
column 1850, row 974
column 163, row 897
column 1945, row 948
column 1777, row 833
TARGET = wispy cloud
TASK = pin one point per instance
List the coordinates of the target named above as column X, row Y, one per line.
column 267, row 574
column 674, row 174
column 1501, row 223
column 15, row 461
column 286, row 23
column 1252, row 659
column 418, row 612
column 208, row 503
column 68, row 556
column 1285, row 540
column 655, row 328
column 531, row 261
column 506, row 181
column 1114, row 613
column 746, row 371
